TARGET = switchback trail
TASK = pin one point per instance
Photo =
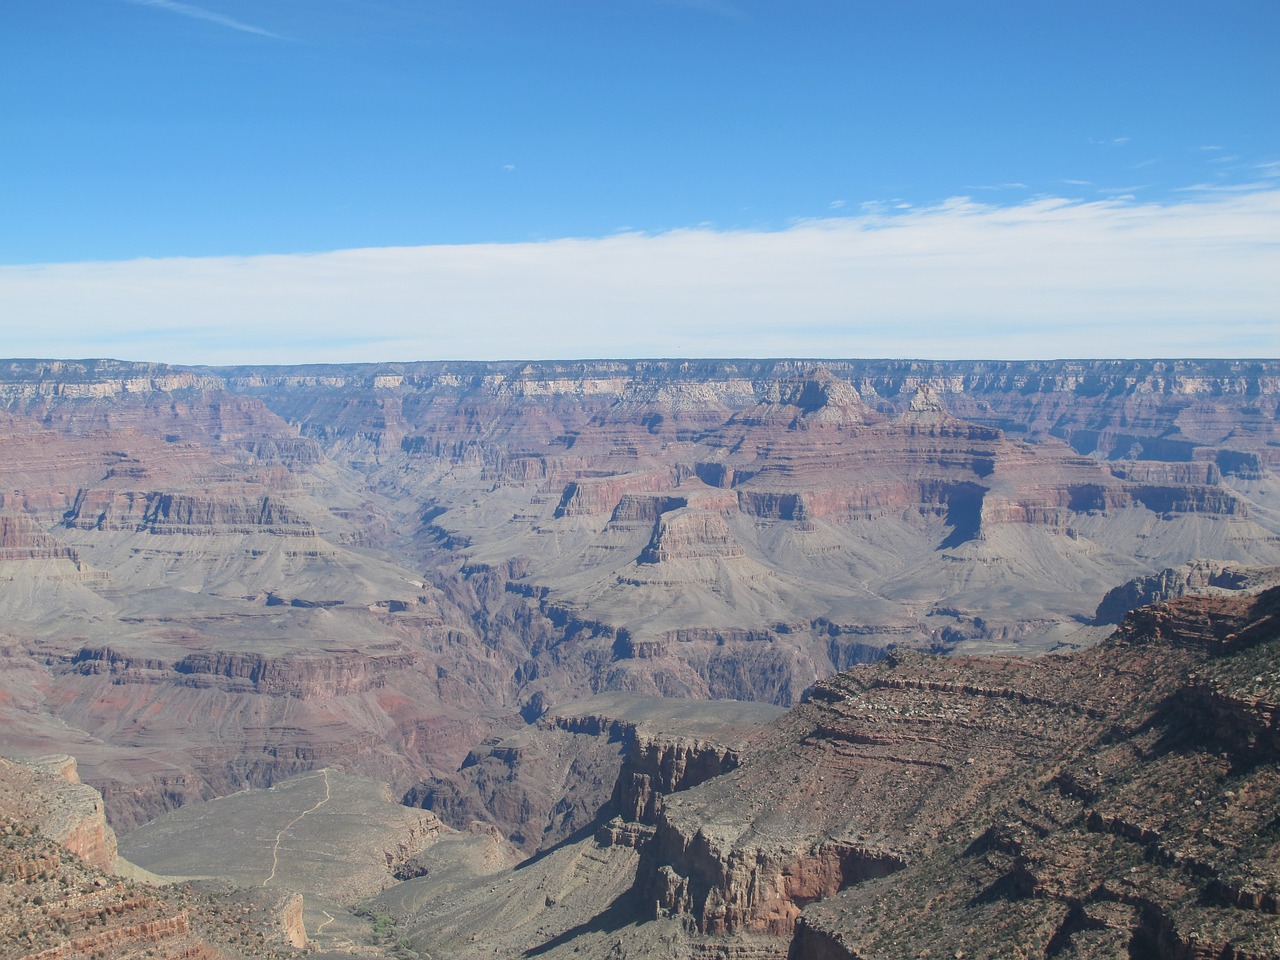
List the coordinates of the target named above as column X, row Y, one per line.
column 275, row 849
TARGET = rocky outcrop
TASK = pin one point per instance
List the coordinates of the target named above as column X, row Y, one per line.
column 57, row 903
column 1197, row 577
column 611, row 756
column 21, row 539
column 46, row 792
column 690, row 534
column 305, row 677
column 656, row 766
column 758, row 892
column 591, row 496
column 818, row 398
column 166, row 513
column 1113, row 802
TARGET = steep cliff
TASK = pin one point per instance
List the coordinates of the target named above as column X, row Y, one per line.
column 1197, row 577
column 611, row 755
column 1116, row 802
column 46, row 793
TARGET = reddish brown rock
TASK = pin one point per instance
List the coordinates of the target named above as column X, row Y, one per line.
column 57, row 903
column 1125, row 794
column 588, row 761
column 268, row 548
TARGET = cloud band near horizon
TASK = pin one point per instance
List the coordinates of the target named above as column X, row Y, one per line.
column 962, row 280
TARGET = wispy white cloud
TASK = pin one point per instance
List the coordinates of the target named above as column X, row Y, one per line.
column 200, row 13
column 996, row 186
column 1220, row 187
column 1050, row 277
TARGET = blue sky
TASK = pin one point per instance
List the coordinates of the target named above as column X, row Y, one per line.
column 177, row 180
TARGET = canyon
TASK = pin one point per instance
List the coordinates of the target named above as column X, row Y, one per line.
column 1119, row 801
column 560, row 604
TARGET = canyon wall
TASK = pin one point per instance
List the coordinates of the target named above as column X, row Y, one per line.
column 1110, row 800
column 1118, row 801
column 217, row 578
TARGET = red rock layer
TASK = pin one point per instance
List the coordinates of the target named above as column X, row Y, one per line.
column 1120, row 801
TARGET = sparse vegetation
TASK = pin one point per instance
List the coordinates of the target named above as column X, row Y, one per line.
column 386, row 933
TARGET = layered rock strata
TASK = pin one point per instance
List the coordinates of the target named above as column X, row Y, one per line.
column 607, row 757
column 1117, row 802
column 46, row 793
column 1197, row 577
column 384, row 565
column 57, row 903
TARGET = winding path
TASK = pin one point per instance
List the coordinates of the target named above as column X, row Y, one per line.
column 275, row 849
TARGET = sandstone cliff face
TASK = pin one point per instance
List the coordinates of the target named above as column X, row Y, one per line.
column 1197, row 577
column 21, row 539
column 167, row 513
column 1115, row 802
column 306, row 677
column 46, row 792
column 660, row 765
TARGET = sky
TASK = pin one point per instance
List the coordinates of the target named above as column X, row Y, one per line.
column 291, row 181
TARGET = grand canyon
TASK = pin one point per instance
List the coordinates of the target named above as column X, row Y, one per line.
column 670, row 658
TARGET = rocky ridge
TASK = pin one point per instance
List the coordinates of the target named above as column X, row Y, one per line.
column 46, row 793
column 1197, row 577
column 1117, row 800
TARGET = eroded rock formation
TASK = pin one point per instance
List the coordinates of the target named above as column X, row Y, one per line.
column 1119, row 801
column 46, row 793
column 1115, row 802
column 221, row 578
column 58, row 903
column 609, row 756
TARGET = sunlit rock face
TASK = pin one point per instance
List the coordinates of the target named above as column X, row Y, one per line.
column 222, row 577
